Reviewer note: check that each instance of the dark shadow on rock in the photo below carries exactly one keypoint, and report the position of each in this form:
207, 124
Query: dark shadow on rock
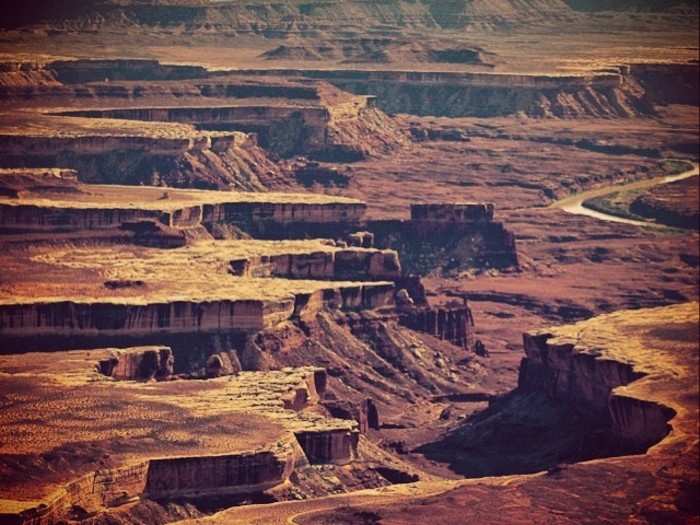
523, 432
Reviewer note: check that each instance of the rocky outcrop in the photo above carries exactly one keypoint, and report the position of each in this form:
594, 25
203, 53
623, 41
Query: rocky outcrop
637, 423
358, 129
246, 473
447, 237
365, 413
153, 233
19, 76
139, 364
381, 49
361, 239
221, 364
453, 212
340, 265
213, 160
350, 298
320, 447
453, 324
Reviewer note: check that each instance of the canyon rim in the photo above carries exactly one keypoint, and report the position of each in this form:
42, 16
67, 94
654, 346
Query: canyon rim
349, 262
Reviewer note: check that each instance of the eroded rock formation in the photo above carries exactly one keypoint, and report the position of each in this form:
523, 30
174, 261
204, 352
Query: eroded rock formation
592, 381
491, 95
139, 363
448, 237
225, 463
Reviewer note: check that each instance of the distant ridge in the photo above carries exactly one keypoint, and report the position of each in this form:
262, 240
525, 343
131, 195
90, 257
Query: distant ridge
261, 17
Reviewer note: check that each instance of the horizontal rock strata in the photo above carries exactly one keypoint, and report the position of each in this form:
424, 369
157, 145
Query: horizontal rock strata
572, 366
166, 473
488, 94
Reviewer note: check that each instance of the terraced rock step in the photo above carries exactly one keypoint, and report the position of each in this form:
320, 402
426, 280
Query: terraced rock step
642, 364
234, 435
123, 152
212, 132
118, 291
41, 207
487, 94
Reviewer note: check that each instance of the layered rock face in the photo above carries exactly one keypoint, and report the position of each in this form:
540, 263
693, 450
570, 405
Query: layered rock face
139, 364
592, 383
656, 79
449, 237
21, 217
83, 71
283, 130
339, 447
286, 118
455, 324
247, 473
225, 463
16, 183
261, 219
202, 160
45, 207
338, 265
438, 236
254, 218
112, 319
491, 95
571, 376
458, 212
55, 324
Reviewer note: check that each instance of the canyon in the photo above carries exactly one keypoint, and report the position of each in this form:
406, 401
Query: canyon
312, 262
659, 387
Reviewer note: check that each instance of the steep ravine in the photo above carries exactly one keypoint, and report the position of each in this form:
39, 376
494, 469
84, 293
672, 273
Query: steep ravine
578, 398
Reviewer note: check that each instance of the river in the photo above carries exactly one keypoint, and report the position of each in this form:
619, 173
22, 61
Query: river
575, 203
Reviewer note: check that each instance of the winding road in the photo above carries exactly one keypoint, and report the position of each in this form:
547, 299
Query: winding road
288, 512
575, 203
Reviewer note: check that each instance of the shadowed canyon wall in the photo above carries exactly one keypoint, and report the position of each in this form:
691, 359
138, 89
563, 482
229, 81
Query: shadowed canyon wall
587, 383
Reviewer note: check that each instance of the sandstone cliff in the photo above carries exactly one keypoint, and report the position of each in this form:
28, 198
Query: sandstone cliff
490, 95
234, 162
